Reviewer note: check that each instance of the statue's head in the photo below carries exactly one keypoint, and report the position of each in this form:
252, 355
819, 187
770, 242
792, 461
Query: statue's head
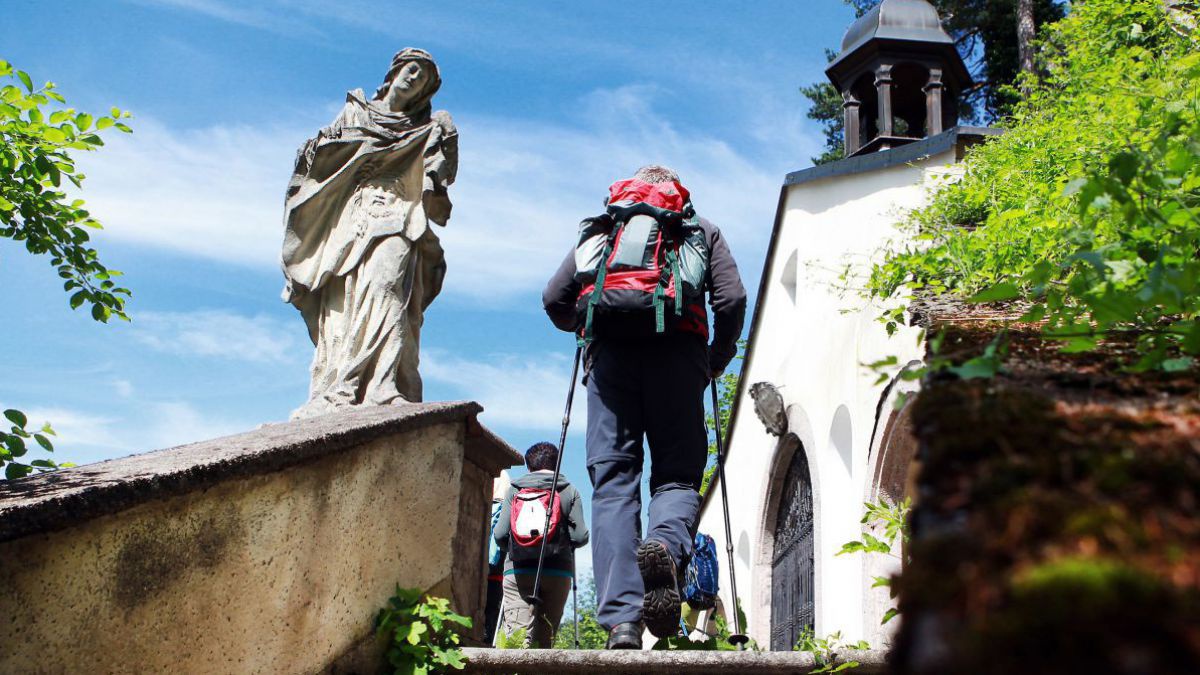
411, 83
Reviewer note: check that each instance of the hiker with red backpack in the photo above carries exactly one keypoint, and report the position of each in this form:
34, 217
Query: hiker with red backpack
529, 504
634, 291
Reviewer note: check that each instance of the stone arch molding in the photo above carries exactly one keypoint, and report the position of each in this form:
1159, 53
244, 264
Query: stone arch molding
799, 438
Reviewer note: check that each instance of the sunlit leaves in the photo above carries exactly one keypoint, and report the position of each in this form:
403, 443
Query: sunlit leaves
38, 133
14, 444
421, 633
1088, 209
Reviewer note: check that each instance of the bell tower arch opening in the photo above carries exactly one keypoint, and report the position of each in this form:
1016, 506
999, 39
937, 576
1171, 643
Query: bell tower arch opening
900, 76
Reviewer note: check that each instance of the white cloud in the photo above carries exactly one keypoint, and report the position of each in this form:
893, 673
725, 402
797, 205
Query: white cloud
85, 437
279, 19
219, 334
124, 388
523, 392
73, 427
215, 193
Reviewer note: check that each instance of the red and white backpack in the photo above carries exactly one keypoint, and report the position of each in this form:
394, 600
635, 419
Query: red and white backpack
527, 519
643, 263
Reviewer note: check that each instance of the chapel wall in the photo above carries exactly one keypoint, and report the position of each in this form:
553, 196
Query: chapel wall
811, 341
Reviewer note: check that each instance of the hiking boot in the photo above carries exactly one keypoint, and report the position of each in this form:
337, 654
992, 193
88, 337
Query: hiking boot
660, 608
625, 636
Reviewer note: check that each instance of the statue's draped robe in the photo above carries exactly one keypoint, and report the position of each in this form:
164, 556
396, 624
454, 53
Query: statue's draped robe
361, 261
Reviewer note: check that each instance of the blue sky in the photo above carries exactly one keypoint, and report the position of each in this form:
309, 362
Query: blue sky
553, 102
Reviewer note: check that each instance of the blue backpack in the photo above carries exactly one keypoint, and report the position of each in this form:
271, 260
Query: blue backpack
701, 578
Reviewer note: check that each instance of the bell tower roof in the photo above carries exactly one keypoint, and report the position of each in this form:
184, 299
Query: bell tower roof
897, 20
901, 27
900, 76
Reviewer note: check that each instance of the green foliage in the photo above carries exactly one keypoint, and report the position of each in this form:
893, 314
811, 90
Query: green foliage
893, 518
727, 388
422, 633
825, 651
14, 444
1088, 209
37, 133
518, 640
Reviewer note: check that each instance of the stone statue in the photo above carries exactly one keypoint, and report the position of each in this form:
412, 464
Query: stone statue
360, 258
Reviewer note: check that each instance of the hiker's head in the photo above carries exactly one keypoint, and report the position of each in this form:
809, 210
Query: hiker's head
656, 173
541, 456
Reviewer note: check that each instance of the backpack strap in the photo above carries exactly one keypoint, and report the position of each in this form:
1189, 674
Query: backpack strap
597, 289
671, 262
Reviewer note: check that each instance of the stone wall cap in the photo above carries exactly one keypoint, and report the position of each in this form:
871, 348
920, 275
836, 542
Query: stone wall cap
59, 499
676, 662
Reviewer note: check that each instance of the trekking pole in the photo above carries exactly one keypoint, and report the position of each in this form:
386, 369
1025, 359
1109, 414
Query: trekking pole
536, 599
737, 639
574, 599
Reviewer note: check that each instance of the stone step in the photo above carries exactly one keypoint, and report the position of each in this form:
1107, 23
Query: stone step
596, 662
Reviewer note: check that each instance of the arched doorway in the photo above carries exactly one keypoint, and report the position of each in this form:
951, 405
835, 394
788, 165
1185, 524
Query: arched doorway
792, 580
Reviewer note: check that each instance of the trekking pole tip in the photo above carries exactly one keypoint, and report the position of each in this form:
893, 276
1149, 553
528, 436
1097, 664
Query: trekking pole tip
738, 640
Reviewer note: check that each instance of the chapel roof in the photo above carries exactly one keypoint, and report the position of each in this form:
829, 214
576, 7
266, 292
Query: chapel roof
915, 20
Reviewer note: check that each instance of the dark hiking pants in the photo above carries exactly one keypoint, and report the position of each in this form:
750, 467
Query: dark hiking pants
652, 388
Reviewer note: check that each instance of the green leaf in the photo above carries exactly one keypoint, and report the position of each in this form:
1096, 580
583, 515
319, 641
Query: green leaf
889, 615
976, 369
14, 470
1080, 344
16, 445
415, 631
16, 417
1124, 167
44, 442
851, 547
25, 79
1178, 365
998, 292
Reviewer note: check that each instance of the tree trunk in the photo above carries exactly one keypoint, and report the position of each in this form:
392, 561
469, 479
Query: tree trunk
1025, 33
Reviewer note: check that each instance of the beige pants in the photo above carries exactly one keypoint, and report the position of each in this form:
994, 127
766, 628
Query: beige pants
539, 624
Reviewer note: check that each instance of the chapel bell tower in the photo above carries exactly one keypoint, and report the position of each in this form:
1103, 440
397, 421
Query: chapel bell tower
900, 77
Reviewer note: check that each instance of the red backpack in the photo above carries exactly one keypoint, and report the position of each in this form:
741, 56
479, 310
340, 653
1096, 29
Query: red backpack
644, 260
526, 520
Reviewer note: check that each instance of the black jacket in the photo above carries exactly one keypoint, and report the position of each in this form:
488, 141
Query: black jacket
726, 297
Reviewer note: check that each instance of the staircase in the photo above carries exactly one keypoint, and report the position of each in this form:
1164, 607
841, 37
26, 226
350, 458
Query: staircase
596, 662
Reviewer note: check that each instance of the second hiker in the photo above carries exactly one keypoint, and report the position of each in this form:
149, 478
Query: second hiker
518, 531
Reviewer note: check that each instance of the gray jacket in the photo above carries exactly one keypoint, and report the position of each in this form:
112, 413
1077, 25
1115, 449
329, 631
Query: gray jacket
572, 508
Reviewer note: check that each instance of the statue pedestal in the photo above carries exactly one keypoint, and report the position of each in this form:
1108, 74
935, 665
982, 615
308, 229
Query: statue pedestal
269, 551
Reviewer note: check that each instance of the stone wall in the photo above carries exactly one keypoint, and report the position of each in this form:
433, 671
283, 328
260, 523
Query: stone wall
269, 551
